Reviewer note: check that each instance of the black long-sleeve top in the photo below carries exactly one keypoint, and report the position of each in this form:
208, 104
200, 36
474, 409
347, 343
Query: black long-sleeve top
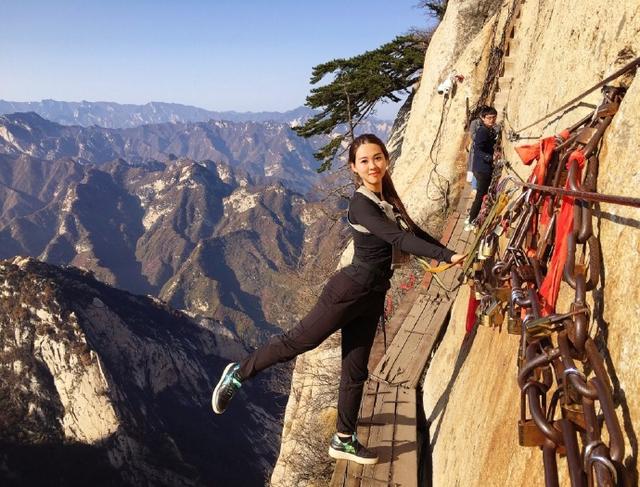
483, 145
375, 247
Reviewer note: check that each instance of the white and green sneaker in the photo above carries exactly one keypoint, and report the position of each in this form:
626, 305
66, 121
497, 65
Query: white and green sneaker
227, 386
351, 449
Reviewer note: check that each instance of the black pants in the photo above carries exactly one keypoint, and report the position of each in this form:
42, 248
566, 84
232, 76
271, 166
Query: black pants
483, 180
344, 304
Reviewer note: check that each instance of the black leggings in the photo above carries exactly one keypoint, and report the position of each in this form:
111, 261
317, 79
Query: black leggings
484, 180
344, 304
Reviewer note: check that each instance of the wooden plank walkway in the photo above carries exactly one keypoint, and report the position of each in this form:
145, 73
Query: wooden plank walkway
387, 420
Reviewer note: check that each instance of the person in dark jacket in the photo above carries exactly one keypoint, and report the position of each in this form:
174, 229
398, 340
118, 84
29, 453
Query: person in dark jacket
482, 161
353, 298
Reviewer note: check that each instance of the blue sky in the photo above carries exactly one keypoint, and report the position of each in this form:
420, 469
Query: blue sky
217, 54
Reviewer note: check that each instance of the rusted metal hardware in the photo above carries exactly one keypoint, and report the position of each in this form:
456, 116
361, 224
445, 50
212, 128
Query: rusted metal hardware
566, 399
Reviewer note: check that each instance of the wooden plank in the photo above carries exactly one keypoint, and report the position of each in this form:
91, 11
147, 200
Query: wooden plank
425, 347
339, 474
381, 439
413, 335
413, 357
407, 357
404, 469
401, 338
397, 356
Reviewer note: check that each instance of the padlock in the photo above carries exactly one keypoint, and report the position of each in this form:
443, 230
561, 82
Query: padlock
485, 320
492, 315
489, 248
514, 325
529, 434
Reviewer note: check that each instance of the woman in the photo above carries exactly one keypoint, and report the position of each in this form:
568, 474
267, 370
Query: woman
353, 298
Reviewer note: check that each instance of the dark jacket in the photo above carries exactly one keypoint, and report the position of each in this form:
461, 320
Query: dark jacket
372, 251
483, 144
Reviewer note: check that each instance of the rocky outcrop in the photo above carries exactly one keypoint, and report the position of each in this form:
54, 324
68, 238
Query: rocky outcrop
102, 387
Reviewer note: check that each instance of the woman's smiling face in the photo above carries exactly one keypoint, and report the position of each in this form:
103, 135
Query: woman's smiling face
371, 165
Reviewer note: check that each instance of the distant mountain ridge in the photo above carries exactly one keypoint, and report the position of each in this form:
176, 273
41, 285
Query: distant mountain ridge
116, 115
268, 151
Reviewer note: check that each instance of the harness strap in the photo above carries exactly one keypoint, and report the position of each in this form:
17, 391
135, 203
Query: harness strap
385, 207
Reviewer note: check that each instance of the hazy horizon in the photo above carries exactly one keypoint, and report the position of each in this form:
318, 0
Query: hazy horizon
218, 56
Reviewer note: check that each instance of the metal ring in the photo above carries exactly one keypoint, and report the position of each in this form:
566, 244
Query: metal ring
587, 452
607, 463
574, 371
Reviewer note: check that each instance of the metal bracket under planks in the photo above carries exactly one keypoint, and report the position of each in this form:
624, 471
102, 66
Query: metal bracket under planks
388, 413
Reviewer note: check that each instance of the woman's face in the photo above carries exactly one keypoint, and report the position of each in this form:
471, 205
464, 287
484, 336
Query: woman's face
370, 164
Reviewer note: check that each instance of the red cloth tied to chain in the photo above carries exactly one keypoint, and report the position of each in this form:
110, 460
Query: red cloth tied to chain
564, 224
542, 152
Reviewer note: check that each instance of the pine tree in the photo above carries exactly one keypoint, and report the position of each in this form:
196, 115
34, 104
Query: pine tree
435, 8
358, 84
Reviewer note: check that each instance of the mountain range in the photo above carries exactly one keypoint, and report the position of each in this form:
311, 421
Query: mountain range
215, 218
223, 238
269, 151
117, 115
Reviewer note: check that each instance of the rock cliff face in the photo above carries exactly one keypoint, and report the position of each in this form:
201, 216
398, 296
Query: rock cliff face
102, 387
557, 50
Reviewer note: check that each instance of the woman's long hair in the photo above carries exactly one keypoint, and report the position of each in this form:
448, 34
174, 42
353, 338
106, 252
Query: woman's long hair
389, 192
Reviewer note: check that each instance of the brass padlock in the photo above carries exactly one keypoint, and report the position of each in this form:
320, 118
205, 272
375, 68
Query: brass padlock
492, 315
481, 250
529, 434
514, 325
490, 247
485, 319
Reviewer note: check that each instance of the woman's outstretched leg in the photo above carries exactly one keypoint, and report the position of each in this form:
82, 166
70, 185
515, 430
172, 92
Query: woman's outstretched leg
341, 300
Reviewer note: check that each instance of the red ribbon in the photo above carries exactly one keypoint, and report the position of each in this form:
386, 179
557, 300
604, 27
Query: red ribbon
564, 224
